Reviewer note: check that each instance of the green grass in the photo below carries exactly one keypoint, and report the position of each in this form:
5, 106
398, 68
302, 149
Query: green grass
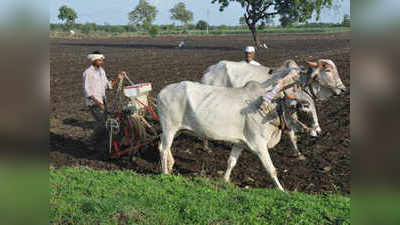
85, 196
24, 191
101, 34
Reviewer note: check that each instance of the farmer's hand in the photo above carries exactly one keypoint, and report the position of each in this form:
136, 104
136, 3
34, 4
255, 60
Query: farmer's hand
121, 75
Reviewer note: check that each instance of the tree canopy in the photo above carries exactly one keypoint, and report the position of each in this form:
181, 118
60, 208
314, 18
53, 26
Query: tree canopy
180, 13
346, 20
290, 11
68, 16
242, 21
143, 15
201, 25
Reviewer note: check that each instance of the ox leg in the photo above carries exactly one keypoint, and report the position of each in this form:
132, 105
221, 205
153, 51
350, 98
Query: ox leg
171, 161
316, 128
269, 166
233, 157
167, 161
206, 146
310, 108
293, 142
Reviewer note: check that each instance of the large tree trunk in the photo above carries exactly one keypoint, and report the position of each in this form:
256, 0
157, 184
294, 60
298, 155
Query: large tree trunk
254, 33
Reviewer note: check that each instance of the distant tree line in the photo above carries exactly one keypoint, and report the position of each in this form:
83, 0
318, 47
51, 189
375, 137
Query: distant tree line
201, 25
293, 13
92, 27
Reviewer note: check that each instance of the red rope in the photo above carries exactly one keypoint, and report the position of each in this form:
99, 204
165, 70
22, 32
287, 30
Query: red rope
149, 108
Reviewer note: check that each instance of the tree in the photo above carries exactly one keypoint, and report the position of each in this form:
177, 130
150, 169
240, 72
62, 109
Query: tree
261, 26
180, 13
223, 27
154, 30
346, 21
143, 15
286, 21
242, 21
68, 16
201, 25
88, 27
290, 11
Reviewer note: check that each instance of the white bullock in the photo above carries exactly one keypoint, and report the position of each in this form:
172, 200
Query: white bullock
221, 113
217, 113
236, 74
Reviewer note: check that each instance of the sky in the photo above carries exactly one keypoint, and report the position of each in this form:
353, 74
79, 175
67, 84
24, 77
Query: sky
115, 12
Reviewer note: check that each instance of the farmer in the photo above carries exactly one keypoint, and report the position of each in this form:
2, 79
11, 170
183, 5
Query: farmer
250, 53
95, 83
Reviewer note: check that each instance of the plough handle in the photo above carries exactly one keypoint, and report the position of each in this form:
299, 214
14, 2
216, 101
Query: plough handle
126, 76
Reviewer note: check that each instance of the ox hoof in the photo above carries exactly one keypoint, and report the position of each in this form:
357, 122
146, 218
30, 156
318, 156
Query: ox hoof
313, 133
206, 148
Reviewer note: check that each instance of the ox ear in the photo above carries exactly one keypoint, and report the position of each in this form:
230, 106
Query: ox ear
312, 64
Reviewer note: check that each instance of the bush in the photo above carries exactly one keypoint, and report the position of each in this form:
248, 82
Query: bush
191, 27
223, 27
130, 28
88, 27
346, 21
107, 28
117, 29
201, 25
154, 30
316, 25
163, 27
171, 27
54, 27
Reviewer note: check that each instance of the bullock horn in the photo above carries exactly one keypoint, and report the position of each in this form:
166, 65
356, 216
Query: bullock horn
312, 64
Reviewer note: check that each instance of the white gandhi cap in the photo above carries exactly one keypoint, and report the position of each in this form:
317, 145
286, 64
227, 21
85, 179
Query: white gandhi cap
250, 49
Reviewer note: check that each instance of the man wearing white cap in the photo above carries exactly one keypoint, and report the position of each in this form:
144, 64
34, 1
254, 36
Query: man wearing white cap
250, 53
95, 84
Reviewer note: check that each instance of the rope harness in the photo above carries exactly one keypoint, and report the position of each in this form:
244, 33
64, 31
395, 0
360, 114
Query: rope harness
281, 107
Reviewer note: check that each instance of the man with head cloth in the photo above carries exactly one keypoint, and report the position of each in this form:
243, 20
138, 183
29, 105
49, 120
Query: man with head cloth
95, 84
250, 53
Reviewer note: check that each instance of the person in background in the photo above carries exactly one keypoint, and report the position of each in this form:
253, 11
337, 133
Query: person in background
250, 54
95, 83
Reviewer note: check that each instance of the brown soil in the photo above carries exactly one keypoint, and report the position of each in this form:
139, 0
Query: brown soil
327, 168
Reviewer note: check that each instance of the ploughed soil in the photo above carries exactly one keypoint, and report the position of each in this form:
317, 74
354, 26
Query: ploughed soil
157, 60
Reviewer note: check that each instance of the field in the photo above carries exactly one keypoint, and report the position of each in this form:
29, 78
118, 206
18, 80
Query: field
157, 60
